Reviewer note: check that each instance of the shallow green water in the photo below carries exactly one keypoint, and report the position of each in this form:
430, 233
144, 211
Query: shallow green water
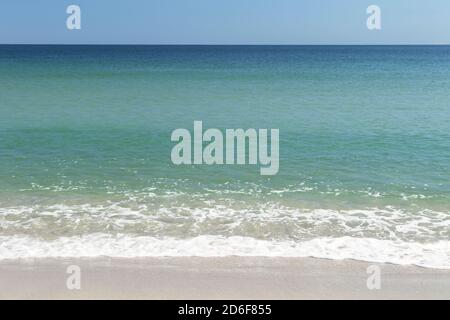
364, 142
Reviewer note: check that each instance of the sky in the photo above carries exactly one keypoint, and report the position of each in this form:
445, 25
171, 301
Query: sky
225, 22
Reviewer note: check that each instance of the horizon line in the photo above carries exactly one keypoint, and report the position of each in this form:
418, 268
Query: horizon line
224, 44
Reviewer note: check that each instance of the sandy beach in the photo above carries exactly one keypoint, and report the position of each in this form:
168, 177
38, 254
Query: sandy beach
233, 162
217, 278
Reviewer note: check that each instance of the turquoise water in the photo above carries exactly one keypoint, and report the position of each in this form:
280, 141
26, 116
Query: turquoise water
85, 146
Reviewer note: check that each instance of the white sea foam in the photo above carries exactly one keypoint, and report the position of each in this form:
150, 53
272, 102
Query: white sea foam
219, 227
267, 221
430, 255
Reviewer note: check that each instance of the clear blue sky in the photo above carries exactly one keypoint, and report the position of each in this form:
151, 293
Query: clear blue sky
225, 22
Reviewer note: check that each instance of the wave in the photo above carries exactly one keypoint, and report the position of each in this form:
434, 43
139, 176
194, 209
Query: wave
430, 255
265, 221
225, 227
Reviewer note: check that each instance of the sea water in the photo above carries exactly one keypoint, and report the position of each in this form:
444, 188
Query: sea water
364, 142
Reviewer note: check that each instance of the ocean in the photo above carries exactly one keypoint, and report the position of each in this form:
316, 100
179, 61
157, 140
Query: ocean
364, 141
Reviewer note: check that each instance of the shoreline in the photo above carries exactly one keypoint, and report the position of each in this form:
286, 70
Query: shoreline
217, 278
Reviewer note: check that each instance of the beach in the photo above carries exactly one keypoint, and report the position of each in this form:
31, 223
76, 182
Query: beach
217, 278
361, 171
